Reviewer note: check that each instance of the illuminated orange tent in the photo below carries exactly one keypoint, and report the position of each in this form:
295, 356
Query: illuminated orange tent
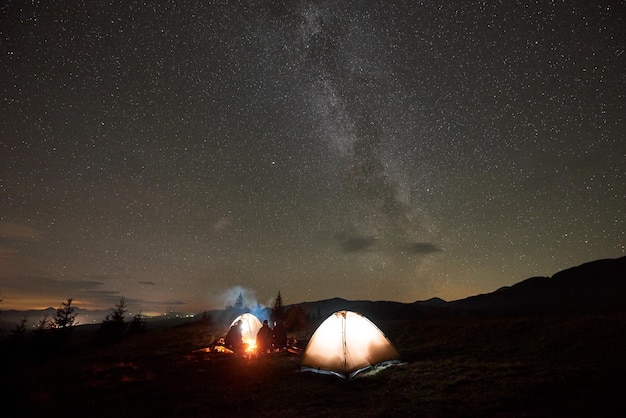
250, 326
345, 344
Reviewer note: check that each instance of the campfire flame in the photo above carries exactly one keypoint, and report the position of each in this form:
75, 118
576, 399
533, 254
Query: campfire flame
251, 346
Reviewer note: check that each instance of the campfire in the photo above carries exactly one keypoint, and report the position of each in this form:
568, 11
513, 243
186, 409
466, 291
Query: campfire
250, 347
247, 327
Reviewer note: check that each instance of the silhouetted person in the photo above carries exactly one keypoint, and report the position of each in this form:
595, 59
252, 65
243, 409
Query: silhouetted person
264, 338
234, 338
280, 335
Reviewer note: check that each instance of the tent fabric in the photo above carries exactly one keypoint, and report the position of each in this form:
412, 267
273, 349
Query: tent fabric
250, 326
345, 344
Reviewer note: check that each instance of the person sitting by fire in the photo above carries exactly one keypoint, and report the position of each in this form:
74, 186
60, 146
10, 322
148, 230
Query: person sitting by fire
280, 336
264, 338
234, 338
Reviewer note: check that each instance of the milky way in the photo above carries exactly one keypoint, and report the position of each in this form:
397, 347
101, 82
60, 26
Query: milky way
171, 153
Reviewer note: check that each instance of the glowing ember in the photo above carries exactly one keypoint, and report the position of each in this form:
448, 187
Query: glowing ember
222, 349
251, 346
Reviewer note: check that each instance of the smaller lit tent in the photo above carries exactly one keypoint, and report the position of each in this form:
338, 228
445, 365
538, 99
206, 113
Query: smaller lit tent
250, 326
345, 344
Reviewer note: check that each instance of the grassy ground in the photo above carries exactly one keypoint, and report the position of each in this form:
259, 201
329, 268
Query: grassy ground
516, 367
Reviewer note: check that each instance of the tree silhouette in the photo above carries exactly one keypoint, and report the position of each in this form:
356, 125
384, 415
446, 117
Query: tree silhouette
65, 316
138, 324
278, 313
43, 325
239, 303
42, 331
114, 323
119, 311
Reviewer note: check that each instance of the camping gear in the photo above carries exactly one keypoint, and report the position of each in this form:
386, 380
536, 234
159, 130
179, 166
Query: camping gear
345, 344
250, 326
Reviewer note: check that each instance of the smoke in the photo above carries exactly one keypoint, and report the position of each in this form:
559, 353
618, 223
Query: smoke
250, 302
230, 296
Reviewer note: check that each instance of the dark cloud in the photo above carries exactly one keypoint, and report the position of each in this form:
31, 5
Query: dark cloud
109, 297
161, 303
421, 248
47, 284
147, 282
80, 284
354, 243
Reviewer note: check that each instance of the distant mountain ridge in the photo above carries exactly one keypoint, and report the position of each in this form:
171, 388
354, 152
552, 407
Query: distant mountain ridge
598, 286
10, 318
594, 287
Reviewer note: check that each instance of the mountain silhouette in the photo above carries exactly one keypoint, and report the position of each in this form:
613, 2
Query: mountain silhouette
594, 287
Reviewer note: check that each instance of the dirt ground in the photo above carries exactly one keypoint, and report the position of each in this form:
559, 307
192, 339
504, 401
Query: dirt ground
452, 367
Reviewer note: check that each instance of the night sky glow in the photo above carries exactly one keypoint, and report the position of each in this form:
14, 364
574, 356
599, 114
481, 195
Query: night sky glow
178, 152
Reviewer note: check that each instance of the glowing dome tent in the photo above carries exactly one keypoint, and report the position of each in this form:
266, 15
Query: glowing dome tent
345, 344
250, 326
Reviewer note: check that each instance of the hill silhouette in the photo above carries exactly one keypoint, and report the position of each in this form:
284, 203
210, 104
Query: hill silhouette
594, 287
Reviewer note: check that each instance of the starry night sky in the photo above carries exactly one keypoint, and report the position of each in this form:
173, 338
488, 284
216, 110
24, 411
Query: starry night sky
178, 153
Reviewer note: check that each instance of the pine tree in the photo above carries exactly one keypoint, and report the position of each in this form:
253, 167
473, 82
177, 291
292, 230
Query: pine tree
239, 303
114, 325
66, 316
118, 314
42, 330
138, 324
278, 313
43, 325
